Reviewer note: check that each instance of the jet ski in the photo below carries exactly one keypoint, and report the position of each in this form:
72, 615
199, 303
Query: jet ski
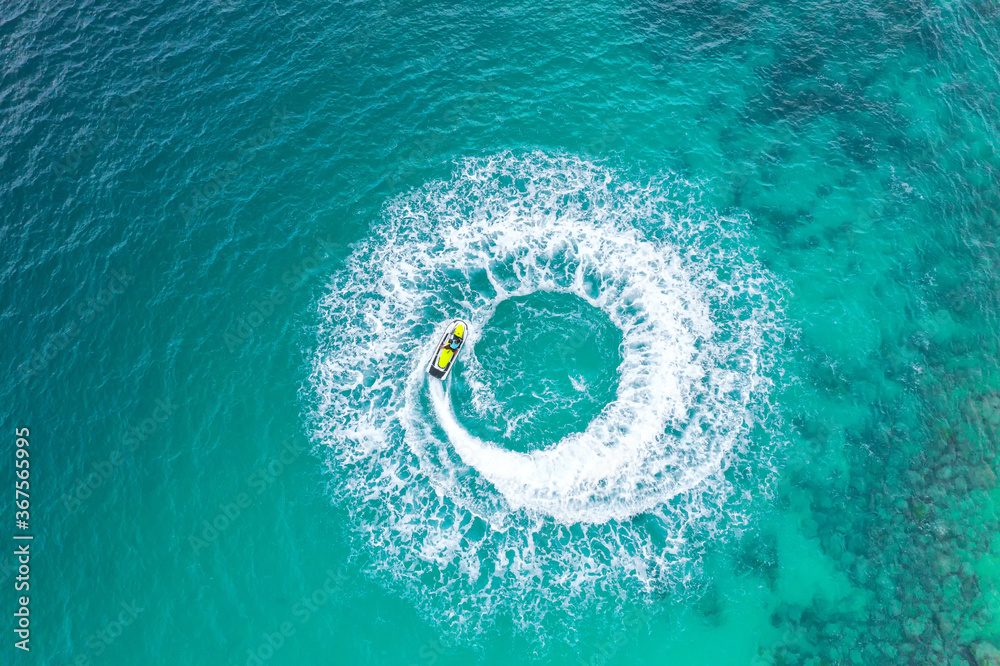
446, 352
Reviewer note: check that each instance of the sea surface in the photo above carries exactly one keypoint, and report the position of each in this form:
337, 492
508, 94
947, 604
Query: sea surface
731, 394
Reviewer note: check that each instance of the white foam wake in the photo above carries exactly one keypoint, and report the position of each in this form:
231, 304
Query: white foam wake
622, 503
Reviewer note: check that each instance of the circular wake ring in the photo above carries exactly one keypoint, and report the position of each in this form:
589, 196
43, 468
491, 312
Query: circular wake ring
699, 326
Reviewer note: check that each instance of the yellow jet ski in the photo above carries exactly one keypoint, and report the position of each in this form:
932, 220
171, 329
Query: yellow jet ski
447, 351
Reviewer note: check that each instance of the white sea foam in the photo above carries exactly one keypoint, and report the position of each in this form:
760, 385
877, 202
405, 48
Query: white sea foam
627, 502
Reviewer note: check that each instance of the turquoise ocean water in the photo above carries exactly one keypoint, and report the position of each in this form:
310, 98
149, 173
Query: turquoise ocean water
731, 396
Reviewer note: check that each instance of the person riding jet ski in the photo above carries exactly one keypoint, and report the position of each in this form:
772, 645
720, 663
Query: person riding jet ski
447, 350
